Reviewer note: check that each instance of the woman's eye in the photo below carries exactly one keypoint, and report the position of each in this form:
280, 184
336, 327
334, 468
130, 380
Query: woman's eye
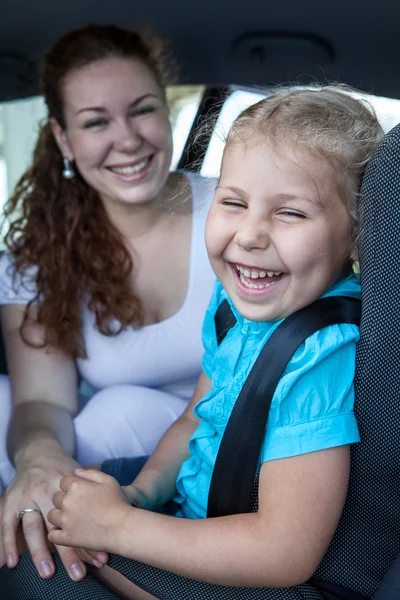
94, 123
144, 110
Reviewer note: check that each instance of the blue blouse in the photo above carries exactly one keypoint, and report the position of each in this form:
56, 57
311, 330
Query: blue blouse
312, 408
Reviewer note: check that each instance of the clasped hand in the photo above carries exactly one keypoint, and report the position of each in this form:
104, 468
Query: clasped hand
89, 511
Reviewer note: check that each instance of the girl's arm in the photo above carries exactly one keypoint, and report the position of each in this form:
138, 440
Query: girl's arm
300, 503
156, 483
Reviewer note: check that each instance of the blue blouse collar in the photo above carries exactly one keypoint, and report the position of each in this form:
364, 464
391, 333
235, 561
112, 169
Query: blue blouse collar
348, 286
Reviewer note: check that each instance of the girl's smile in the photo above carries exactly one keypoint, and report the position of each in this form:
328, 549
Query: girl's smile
255, 282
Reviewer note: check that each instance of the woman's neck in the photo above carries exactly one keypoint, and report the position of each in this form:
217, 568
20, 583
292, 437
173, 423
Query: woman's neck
137, 220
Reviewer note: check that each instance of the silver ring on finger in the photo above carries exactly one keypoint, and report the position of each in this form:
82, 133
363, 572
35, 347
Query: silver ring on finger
28, 510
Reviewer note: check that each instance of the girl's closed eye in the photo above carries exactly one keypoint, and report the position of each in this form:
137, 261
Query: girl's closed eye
291, 215
233, 203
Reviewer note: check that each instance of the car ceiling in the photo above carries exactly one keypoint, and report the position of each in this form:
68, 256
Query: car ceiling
246, 42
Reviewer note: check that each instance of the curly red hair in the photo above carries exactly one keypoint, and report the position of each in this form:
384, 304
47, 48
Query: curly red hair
60, 226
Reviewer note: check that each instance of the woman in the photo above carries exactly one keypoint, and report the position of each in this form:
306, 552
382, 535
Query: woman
106, 274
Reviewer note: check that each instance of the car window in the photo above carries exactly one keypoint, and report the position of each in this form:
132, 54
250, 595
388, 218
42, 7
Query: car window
387, 109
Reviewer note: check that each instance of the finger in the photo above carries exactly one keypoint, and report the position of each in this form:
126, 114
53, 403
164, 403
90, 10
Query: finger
84, 554
58, 498
70, 558
35, 537
93, 558
10, 523
66, 481
58, 538
92, 475
54, 517
100, 557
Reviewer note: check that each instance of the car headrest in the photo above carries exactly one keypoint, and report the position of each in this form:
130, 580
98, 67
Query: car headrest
370, 518
379, 248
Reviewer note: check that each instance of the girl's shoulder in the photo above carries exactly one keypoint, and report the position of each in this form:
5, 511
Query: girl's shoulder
349, 286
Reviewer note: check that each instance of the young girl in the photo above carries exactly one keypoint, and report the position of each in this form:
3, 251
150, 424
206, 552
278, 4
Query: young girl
280, 234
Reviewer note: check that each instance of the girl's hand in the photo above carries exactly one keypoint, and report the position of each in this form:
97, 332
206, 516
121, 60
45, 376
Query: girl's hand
89, 511
33, 487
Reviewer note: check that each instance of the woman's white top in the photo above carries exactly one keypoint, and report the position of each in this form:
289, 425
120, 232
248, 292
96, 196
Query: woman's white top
165, 355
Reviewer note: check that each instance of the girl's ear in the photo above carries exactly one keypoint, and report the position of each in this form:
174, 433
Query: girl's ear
354, 253
354, 256
61, 139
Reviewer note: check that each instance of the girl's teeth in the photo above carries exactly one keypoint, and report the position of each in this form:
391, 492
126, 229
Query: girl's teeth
256, 274
253, 285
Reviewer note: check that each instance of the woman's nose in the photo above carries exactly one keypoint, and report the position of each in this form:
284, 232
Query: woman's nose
127, 138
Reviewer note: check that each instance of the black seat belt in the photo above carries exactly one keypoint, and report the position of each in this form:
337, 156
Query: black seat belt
224, 321
236, 465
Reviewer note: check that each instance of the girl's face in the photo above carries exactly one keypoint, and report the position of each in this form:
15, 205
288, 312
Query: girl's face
278, 234
117, 129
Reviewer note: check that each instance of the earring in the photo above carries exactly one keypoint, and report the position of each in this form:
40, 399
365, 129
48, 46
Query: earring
68, 172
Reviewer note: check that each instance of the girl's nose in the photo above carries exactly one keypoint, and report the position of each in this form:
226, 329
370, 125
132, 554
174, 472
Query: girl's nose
253, 234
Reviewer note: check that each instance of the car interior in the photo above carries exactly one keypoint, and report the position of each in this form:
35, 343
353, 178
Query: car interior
228, 55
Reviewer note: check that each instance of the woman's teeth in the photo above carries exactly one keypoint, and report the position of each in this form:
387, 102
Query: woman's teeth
130, 169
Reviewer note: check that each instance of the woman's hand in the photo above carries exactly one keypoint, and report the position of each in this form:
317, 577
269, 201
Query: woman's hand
33, 487
89, 511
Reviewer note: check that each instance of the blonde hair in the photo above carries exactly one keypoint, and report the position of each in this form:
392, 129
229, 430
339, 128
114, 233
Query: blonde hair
327, 121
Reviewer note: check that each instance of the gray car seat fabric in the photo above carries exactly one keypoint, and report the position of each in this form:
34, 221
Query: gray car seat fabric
168, 586
389, 588
23, 583
368, 537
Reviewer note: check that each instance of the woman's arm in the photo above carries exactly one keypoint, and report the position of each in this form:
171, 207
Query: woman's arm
43, 386
300, 503
40, 438
156, 483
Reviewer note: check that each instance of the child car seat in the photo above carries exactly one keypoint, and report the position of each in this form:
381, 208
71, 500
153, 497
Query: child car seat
367, 540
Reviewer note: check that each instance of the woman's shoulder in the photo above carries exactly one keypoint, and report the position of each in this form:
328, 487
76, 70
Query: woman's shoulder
15, 288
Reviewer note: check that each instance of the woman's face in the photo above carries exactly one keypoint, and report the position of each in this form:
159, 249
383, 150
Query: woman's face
117, 130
